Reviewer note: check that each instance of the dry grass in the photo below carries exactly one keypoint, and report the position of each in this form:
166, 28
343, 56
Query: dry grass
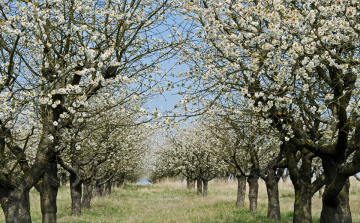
169, 201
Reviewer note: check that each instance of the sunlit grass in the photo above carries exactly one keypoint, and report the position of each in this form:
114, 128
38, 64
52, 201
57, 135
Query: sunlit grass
170, 201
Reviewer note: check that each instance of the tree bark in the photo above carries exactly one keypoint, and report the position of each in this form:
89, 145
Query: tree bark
272, 188
336, 194
205, 187
241, 190
301, 180
253, 190
302, 205
48, 192
199, 185
87, 194
15, 204
75, 192
338, 209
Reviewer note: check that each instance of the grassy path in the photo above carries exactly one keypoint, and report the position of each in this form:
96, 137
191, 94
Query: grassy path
171, 202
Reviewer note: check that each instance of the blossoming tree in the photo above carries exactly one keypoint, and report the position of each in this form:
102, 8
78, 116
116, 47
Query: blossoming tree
296, 63
56, 56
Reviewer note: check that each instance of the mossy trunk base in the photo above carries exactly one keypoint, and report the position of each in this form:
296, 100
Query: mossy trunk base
337, 210
302, 206
16, 205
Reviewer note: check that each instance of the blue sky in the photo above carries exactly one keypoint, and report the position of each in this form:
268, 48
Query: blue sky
171, 98
168, 99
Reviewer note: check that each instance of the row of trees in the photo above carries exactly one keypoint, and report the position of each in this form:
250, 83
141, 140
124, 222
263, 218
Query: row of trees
201, 152
280, 80
218, 147
75, 77
295, 66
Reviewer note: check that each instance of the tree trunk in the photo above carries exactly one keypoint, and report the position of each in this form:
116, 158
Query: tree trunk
205, 187
16, 205
336, 194
338, 209
14, 189
301, 179
48, 192
302, 206
253, 190
99, 188
190, 184
272, 188
75, 192
199, 185
317, 175
87, 194
107, 188
112, 186
241, 190
121, 181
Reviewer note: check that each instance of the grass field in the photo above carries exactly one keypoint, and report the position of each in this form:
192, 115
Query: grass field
170, 201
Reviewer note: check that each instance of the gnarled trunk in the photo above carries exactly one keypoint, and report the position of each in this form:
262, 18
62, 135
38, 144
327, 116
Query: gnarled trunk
272, 189
199, 185
338, 209
205, 187
15, 204
87, 194
301, 179
336, 194
241, 190
48, 192
75, 192
253, 189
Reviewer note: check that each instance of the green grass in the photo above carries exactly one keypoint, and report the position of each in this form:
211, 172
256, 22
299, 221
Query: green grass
172, 202
290, 195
